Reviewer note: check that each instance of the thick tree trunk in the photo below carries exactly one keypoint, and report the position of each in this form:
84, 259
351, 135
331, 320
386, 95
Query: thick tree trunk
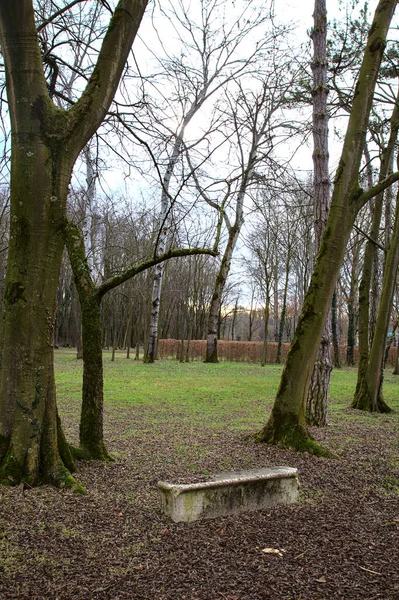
287, 423
28, 423
39, 181
45, 144
317, 399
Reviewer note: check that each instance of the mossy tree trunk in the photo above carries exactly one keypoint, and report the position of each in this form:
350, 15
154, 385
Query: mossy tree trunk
317, 399
92, 446
45, 144
370, 253
369, 390
287, 423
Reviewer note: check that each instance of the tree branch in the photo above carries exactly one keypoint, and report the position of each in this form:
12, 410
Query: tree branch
58, 14
88, 113
113, 282
370, 239
378, 188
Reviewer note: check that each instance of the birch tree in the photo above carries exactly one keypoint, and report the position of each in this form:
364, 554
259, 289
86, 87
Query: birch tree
217, 49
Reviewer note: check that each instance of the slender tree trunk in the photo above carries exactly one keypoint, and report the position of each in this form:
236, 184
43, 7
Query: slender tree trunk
266, 332
334, 329
150, 355
317, 399
368, 394
275, 305
283, 312
350, 343
396, 368
216, 301
368, 300
287, 423
91, 435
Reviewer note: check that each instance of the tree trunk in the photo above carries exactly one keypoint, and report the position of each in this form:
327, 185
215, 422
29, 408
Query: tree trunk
317, 399
368, 394
351, 337
45, 144
283, 312
366, 312
40, 174
266, 333
213, 319
287, 423
396, 368
91, 435
334, 329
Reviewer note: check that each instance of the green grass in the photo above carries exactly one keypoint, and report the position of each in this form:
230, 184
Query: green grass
236, 395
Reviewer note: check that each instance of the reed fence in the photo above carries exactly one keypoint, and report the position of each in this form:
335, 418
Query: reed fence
239, 351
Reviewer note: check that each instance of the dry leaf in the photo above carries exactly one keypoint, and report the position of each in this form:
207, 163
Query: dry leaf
272, 551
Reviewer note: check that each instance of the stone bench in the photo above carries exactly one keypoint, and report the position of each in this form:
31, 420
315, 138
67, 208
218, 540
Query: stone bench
229, 493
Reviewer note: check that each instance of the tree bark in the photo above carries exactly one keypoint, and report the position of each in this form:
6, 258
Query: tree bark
266, 332
287, 423
45, 144
317, 399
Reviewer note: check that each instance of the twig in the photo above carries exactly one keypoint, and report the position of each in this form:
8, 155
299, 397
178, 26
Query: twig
300, 555
370, 571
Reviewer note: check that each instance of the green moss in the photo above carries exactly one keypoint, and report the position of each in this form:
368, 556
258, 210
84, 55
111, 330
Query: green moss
64, 479
284, 430
4, 443
11, 472
14, 292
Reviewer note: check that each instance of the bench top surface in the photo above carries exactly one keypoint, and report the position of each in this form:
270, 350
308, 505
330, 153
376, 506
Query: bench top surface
231, 478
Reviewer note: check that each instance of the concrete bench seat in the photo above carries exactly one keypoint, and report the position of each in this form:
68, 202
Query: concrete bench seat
229, 493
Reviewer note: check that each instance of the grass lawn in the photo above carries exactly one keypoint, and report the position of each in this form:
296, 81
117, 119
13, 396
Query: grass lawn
235, 395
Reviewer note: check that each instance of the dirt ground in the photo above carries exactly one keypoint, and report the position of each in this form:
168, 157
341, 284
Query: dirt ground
339, 542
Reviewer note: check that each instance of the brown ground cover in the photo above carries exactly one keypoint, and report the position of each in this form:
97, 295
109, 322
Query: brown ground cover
339, 542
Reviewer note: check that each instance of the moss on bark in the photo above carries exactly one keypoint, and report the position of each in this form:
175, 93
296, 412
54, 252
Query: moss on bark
286, 432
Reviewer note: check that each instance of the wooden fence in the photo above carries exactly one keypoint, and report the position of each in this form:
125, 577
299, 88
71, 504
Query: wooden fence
239, 351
